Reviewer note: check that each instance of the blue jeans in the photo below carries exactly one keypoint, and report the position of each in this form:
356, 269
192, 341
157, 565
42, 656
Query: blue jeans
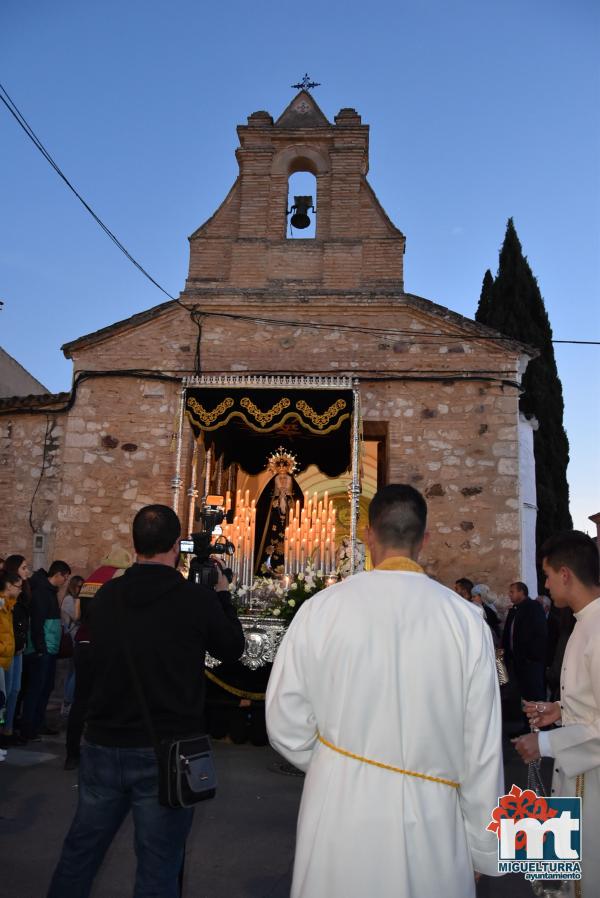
113, 781
69, 693
40, 682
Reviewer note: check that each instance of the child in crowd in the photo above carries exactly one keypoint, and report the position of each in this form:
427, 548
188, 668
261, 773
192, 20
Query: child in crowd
17, 564
10, 588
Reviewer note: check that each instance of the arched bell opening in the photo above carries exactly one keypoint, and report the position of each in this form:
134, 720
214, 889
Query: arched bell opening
301, 221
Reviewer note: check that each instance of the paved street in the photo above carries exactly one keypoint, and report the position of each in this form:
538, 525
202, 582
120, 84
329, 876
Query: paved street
241, 845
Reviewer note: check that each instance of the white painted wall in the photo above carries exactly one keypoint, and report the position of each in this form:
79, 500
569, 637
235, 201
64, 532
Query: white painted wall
15, 380
528, 501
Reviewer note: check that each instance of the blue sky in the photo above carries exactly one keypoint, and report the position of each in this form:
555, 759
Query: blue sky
478, 111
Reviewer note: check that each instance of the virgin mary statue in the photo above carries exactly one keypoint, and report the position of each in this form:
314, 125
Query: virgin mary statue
273, 511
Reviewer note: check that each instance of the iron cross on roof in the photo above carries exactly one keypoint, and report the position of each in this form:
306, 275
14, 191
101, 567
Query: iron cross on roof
306, 83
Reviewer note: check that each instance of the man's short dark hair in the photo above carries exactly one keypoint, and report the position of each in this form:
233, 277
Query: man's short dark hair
58, 567
522, 587
575, 550
156, 529
465, 583
398, 515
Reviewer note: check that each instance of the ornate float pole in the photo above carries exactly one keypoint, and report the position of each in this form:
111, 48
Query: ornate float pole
355, 484
176, 479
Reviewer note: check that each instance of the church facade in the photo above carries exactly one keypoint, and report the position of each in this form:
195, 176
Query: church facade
439, 392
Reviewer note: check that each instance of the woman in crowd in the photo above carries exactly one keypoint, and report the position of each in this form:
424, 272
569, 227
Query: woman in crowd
481, 595
82, 658
70, 621
17, 564
10, 588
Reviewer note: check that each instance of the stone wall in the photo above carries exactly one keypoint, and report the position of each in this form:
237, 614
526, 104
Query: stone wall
31, 464
456, 440
118, 456
445, 395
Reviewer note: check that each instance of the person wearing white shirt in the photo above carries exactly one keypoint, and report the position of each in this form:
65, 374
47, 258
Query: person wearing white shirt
385, 692
572, 568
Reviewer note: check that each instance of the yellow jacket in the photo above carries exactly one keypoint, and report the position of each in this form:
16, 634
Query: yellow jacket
7, 636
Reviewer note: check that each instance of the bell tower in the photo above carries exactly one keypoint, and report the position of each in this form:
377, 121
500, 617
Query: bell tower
246, 245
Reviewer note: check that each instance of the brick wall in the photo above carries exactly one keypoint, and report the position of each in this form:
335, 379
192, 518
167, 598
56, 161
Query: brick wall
244, 243
448, 406
31, 465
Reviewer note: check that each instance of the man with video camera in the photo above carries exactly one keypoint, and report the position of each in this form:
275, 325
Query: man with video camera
164, 624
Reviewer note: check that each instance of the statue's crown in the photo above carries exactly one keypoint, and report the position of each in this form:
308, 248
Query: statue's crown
282, 458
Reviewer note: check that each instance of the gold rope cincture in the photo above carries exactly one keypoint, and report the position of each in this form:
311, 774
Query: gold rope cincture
421, 776
395, 563
240, 693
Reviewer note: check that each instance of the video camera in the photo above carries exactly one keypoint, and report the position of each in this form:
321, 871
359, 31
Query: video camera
204, 571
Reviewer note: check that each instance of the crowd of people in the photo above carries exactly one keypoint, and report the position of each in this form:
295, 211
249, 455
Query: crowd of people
384, 690
530, 636
31, 634
37, 627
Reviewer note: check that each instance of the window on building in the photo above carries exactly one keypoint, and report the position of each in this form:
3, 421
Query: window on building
302, 184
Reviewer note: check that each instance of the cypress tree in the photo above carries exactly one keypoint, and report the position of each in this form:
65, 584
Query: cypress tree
486, 300
513, 305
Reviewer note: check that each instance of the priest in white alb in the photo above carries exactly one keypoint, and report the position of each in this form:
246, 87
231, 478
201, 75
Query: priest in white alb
572, 568
385, 692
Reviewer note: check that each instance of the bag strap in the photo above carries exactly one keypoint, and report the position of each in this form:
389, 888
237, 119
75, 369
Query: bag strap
124, 632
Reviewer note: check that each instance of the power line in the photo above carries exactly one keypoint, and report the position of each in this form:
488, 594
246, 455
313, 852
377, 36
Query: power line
12, 108
197, 314
374, 331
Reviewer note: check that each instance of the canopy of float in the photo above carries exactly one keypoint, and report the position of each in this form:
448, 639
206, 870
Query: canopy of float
243, 420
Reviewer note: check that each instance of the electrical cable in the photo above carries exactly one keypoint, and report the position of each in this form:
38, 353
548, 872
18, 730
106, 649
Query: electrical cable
43, 468
379, 332
17, 115
144, 374
194, 312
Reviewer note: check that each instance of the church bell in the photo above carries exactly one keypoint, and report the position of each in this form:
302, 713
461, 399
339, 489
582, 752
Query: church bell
300, 219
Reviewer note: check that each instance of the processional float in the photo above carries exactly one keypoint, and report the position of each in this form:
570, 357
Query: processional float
275, 425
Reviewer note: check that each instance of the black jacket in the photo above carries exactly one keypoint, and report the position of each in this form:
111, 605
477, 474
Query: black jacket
44, 607
529, 633
169, 624
493, 622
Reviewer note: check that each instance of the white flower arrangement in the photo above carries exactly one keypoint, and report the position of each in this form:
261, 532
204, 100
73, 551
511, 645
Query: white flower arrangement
270, 596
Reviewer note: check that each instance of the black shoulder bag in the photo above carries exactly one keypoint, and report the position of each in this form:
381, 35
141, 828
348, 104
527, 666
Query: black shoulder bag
186, 771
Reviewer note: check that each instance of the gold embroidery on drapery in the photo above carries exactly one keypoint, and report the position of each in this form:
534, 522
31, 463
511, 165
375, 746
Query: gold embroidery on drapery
209, 417
264, 417
293, 415
323, 420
